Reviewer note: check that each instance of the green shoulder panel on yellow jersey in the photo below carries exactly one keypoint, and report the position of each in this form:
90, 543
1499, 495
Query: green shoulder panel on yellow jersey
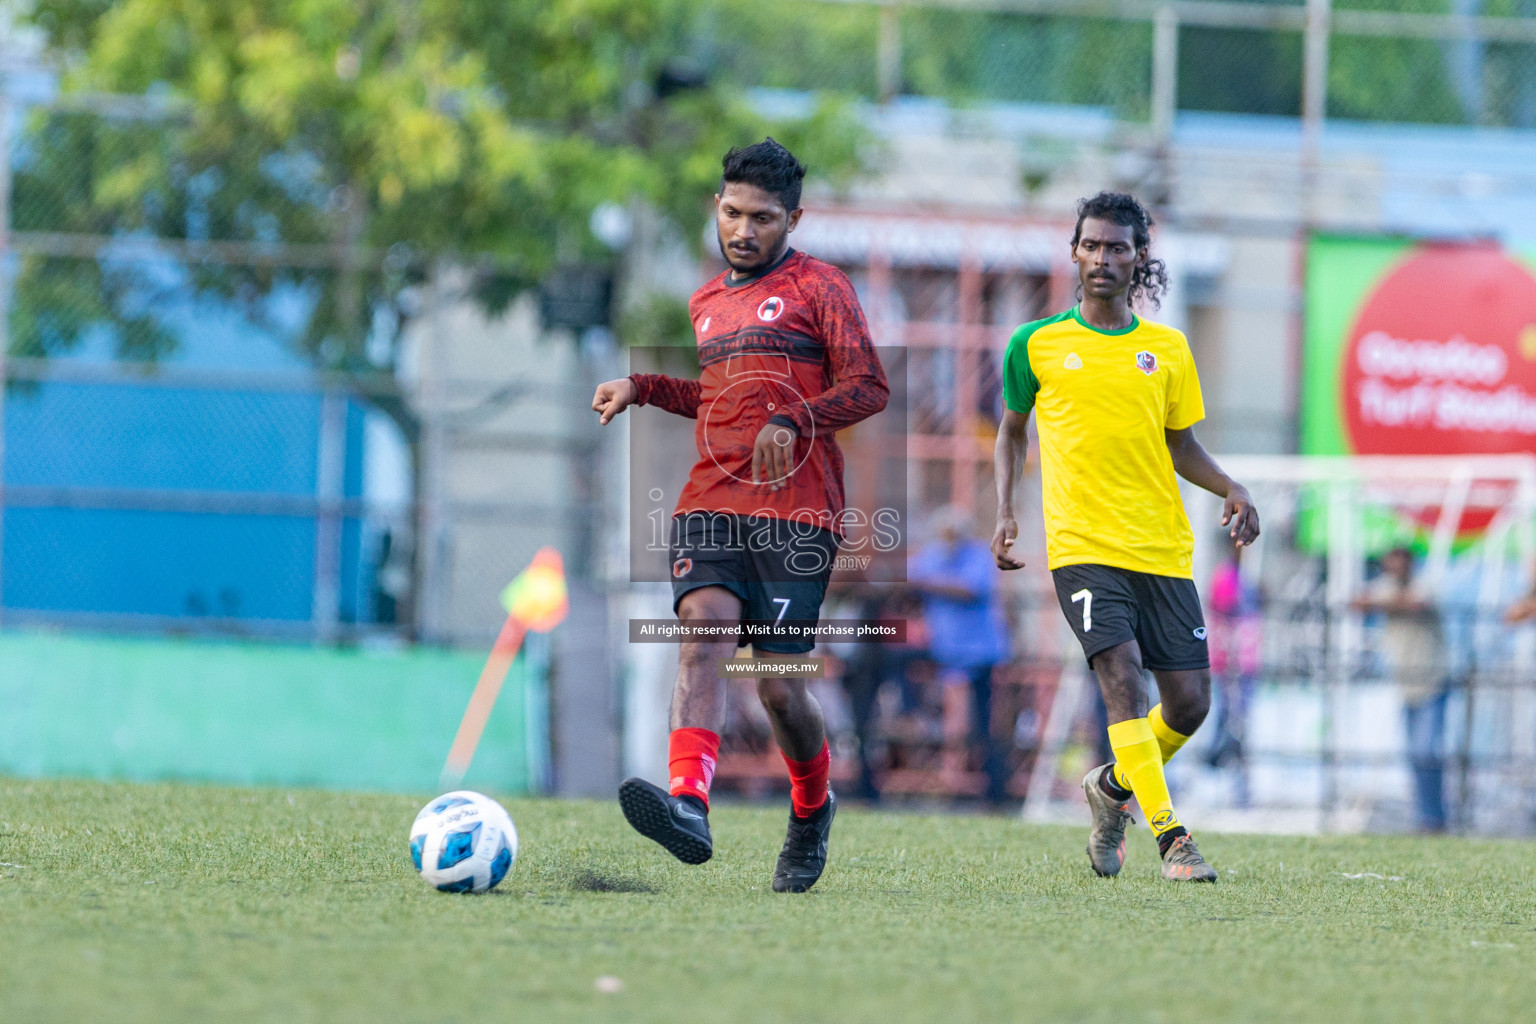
1020, 385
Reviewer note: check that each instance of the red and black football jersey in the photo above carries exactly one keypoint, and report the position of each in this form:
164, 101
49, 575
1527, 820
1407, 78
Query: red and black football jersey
790, 346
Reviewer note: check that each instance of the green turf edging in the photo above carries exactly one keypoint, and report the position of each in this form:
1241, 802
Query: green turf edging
246, 713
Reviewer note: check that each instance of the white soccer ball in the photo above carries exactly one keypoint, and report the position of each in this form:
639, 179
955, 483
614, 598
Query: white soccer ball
463, 842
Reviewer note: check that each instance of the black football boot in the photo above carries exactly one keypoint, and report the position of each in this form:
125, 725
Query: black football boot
679, 823
804, 856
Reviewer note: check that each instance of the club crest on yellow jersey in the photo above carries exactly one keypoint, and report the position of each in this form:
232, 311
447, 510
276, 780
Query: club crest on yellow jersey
1146, 362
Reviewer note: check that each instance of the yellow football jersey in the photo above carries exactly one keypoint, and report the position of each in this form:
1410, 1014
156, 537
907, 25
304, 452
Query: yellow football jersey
1102, 400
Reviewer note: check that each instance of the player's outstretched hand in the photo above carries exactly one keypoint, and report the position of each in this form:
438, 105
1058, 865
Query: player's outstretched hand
613, 397
773, 455
1002, 543
1239, 513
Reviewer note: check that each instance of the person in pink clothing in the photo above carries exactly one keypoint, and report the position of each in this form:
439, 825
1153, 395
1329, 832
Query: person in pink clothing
1234, 633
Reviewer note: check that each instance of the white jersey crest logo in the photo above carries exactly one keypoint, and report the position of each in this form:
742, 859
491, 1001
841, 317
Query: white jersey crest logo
770, 309
1072, 362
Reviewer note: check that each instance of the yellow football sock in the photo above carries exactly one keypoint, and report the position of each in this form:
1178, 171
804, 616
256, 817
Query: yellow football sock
1139, 767
1168, 740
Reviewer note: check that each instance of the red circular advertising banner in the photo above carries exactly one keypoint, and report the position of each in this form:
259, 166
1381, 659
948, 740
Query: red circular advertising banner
1442, 358
1442, 361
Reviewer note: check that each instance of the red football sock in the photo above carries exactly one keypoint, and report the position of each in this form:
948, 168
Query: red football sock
691, 755
808, 782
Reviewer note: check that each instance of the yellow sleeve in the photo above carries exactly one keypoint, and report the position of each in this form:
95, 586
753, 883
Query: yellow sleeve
1186, 406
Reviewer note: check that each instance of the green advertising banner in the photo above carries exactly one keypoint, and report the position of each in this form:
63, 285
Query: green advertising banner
1340, 272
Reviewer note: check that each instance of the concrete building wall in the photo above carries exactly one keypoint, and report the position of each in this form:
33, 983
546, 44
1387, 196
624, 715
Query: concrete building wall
1246, 348
509, 455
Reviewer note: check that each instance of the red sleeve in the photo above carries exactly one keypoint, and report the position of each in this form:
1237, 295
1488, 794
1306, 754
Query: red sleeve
674, 394
859, 388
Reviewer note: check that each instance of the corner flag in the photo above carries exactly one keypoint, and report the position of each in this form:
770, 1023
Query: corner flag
536, 601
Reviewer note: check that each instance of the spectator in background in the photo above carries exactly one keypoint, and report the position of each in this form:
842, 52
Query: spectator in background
1233, 637
1413, 645
967, 632
867, 667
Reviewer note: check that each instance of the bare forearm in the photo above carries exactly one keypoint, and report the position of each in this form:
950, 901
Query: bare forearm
1192, 462
1008, 461
1521, 610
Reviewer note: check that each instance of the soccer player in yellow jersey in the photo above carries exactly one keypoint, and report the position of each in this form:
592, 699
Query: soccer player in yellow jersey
1116, 399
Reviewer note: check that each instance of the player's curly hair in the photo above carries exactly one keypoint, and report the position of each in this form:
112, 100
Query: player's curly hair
1150, 279
769, 166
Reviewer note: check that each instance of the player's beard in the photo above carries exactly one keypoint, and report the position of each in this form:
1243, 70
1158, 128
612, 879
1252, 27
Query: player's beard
756, 268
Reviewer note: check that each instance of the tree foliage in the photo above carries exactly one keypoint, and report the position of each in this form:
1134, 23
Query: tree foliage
484, 133
427, 130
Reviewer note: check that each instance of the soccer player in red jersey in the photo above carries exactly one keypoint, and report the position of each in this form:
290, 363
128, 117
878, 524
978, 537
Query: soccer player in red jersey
785, 362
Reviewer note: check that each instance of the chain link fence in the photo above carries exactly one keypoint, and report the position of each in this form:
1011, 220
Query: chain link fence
251, 437
1466, 62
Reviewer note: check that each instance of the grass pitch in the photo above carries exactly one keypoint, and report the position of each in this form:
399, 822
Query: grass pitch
171, 903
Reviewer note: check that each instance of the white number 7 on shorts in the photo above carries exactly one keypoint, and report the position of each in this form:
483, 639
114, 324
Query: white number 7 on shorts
783, 603
1085, 596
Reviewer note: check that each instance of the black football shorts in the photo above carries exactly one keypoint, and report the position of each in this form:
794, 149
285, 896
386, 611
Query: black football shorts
1107, 606
778, 568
